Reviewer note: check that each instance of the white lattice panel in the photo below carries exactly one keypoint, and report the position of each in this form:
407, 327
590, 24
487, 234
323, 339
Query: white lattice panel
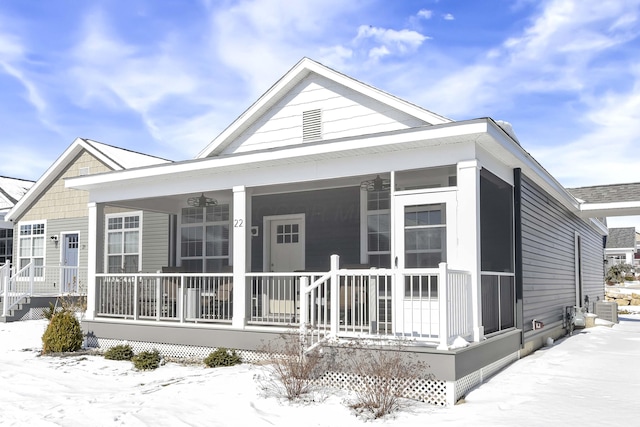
428, 391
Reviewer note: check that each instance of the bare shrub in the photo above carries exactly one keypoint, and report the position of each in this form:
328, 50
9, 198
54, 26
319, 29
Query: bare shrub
290, 370
384, 377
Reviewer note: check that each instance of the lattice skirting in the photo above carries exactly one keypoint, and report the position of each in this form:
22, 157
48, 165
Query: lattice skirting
428, 391
35, 313
173, 351
432, 391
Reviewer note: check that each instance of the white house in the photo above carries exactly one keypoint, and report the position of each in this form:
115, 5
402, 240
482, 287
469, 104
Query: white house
333, 206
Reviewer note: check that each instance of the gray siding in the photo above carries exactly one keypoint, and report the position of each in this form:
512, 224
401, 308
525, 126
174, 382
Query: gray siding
332, 221
548, 263
155, 241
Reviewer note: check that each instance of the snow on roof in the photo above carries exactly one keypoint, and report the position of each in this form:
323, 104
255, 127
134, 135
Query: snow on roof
125, 158
11, 190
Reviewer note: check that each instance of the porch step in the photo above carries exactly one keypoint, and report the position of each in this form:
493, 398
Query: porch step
18, 312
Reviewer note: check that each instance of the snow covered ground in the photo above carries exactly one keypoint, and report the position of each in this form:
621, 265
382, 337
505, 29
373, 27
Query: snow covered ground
589, 379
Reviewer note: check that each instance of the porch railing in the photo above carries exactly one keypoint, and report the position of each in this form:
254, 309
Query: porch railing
15, 290
169, 297
427, 305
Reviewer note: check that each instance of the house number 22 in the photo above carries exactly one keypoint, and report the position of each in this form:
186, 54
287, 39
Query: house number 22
238, 222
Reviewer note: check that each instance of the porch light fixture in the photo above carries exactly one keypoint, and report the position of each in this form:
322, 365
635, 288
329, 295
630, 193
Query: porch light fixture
376, 184
201, 201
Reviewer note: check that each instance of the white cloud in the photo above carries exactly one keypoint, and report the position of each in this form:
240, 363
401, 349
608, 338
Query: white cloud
425, 13
401, 41
553, 53
108, 68
261, 40
448, 17
607, 152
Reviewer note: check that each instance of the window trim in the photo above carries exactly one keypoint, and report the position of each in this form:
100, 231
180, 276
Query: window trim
19, 245
139, 214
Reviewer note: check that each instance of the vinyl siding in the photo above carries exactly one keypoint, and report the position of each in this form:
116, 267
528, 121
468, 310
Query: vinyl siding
155, 241
332, 224
59, 202
344, 112
548, 251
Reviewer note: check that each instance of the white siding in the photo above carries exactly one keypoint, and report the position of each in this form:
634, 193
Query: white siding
345, 113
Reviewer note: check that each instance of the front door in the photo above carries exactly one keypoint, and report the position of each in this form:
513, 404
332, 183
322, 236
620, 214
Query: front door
287, 247
424, 227
69, 274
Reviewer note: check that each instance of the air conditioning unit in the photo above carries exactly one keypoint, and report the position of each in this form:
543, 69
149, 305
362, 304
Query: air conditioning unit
607, 310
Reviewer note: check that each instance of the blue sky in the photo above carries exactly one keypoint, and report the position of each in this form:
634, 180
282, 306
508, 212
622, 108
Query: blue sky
165, 77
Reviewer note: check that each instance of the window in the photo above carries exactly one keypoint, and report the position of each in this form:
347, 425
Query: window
496, 223
204, 238
424, 236
123, 243
31, 246
6, 244
379, 228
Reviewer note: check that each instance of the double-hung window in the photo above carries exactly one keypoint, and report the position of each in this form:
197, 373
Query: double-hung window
204, 238
124, 243
31, 246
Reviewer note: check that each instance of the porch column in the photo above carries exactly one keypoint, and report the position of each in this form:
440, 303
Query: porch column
469, 235
240, 224
94, 254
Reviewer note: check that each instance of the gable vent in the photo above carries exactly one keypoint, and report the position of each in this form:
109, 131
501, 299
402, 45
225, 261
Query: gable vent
311, 125
83, 171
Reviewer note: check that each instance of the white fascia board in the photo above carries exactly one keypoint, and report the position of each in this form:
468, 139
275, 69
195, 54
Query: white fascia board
46, 179
300, 71
591, 210
54, 170
428, 135
532, 168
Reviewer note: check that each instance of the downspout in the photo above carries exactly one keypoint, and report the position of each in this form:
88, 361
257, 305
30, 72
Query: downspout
517, 219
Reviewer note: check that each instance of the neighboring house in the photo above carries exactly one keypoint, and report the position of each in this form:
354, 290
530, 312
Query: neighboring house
339, 209
621, 246
50, 222
11, 190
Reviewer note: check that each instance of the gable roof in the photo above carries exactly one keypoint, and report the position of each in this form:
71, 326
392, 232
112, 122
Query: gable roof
113, 157
11, 191
294, 76
624, 237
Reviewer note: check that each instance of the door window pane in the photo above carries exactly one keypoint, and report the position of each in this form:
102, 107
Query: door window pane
424, 236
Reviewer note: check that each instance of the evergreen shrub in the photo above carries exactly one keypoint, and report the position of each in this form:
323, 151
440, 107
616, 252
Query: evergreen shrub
147, 360
222, 357
119, 352
63, 333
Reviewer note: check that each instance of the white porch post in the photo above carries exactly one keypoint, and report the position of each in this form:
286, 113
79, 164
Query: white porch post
335, 295
240, 226
95, 233
469, 235
443, 307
